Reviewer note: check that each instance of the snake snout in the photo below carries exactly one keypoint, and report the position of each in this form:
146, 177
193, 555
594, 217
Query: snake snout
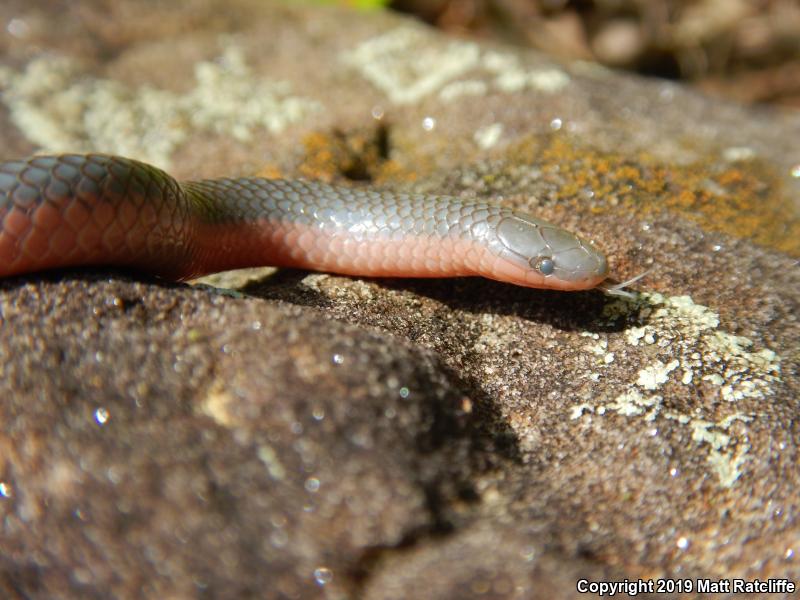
551, 253
581, 263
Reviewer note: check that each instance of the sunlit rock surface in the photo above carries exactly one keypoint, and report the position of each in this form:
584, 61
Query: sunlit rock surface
318, 436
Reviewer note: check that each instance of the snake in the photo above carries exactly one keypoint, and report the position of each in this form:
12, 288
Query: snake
80, 210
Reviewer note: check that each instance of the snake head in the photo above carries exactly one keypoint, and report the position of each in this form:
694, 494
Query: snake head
535, 253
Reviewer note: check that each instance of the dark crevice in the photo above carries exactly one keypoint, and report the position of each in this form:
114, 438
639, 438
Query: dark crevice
361, 155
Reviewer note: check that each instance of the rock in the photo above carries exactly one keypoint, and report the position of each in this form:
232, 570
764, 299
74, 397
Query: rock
311, 435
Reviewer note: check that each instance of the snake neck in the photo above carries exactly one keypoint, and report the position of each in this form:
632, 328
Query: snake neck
253, 221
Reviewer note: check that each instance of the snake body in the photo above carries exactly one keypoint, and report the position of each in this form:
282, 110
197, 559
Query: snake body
76, 210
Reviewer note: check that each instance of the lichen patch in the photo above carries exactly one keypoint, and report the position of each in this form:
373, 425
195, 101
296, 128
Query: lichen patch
60, 108
687, 337
680, 343
408, 64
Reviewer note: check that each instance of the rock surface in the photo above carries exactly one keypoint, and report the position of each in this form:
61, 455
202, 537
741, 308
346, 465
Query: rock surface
319, 436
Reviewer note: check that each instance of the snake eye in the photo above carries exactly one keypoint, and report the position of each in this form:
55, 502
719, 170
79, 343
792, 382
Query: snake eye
543, 264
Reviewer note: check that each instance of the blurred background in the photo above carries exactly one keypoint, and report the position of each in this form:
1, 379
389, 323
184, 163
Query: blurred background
745, 50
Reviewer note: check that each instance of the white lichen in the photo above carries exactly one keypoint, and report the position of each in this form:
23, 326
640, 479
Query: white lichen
724, 461
653, 376
681, 342
599, 348
60, 108
409, 63
577, 411
468, 87
633, 402
488, 136
689, 337
270, 459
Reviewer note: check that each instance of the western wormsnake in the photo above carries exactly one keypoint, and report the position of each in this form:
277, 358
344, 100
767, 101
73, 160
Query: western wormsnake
81, 210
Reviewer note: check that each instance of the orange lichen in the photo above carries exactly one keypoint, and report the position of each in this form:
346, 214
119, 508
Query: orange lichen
740, 199
318, 161
357, 156
270, 172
